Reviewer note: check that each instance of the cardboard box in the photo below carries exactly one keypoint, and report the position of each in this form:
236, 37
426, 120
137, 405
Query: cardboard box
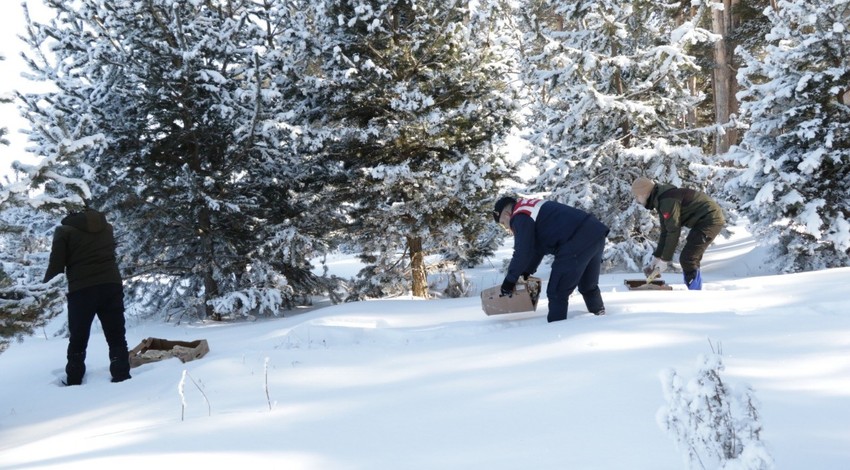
524, 299
157, 349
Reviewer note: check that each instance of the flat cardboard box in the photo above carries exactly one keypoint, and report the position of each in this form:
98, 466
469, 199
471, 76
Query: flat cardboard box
157, 349
524, 299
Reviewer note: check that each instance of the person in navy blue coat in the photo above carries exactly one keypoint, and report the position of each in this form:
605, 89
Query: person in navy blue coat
576, 238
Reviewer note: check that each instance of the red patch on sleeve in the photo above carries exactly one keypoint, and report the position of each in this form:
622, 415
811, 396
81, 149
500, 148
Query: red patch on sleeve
666, 215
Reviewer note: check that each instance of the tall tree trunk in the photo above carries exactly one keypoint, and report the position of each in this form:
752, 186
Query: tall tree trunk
724, 81
625, 127
417, 267
207, 250
690, 117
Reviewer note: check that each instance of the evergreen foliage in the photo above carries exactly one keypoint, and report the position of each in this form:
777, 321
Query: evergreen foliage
795, 154
754, 24
413, 102
178, 116
609, 83
26, 303
231, 143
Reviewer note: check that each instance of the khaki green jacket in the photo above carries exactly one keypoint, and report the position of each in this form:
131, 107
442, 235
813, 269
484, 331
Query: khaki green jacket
677, 208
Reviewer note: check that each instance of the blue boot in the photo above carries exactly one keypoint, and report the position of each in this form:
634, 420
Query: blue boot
693, 280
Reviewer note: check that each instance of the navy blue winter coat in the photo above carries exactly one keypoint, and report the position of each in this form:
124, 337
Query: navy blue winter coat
546, 227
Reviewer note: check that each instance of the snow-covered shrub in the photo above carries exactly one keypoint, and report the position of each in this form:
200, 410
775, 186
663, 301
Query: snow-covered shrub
713, 424
457, 285
26, 304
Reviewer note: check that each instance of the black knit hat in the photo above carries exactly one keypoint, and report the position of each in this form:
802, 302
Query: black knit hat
500, 204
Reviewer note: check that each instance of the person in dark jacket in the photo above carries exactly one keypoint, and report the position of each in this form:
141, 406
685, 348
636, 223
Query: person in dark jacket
677, 208
576, 239
84, 249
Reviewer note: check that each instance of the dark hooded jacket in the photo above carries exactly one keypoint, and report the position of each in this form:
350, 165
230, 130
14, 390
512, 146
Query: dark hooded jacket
677, 208
553, 228
84, 249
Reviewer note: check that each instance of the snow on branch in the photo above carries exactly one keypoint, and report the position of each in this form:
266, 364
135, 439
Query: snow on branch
715, 425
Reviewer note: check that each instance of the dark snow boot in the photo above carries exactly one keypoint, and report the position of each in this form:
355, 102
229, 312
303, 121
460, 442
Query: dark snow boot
75, 369
119, 367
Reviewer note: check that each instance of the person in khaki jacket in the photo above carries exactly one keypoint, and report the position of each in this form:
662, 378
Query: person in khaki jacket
84, 249
677, 208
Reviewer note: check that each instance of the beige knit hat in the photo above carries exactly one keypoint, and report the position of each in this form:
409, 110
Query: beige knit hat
641, 188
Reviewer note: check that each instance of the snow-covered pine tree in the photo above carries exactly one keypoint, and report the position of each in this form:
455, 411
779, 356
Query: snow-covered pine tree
170, 111
610, 101
795, 155
26, 303
413, 99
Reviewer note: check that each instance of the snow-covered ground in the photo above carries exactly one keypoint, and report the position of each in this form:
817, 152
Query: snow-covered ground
413, 384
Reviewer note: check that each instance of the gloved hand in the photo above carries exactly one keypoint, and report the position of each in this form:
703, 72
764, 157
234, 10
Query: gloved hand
525, 276
655, 269
508, 288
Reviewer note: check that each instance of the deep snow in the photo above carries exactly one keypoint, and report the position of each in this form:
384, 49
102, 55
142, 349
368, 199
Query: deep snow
436, 384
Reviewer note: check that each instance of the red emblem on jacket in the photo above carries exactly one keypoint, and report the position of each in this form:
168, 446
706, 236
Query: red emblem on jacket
528, 206
666, 215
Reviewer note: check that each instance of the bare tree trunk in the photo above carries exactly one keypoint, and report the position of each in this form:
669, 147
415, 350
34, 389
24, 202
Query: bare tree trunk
724, 81
690, 117
417, 267
210, 285
617, 79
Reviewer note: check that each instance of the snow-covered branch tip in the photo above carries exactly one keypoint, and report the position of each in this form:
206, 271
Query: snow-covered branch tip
714, 425
181, 387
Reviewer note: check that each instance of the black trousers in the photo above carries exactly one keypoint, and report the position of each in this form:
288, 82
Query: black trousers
575, 269
106, 301
699, 238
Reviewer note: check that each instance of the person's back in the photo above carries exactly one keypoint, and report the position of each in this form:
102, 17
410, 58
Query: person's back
694, 207
575, 238
559, 223
84, 249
